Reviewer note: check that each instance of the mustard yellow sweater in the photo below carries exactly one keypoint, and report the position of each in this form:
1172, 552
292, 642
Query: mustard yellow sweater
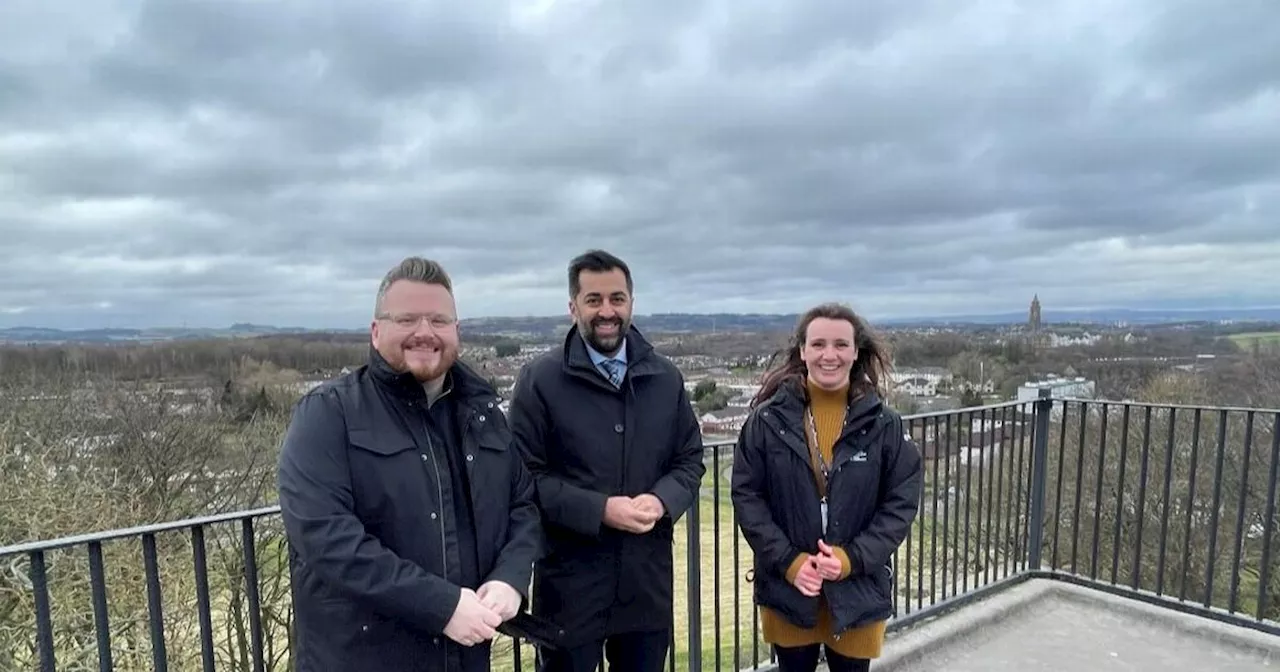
863, 642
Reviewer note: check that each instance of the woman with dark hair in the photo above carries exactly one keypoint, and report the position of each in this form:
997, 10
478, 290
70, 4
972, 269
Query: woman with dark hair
826, 485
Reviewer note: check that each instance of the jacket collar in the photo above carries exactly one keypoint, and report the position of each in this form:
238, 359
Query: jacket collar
785, 410
461, 381
577, 360
790, 400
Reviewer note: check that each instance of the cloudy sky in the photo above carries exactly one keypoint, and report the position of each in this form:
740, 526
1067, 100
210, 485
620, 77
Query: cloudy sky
211, 161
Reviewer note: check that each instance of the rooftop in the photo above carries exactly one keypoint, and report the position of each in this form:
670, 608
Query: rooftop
1085, 535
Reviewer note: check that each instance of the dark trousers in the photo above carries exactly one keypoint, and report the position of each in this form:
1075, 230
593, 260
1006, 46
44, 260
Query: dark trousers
805, 659
628, 652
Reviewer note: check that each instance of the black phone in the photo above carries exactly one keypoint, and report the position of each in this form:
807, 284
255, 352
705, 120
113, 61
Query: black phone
533, 629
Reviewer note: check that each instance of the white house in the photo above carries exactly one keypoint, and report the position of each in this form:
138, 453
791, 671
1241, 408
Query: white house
724, 421
1061, 388
920, 382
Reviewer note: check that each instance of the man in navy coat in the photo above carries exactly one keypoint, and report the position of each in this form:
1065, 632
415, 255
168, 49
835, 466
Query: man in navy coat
411, 522
608, 432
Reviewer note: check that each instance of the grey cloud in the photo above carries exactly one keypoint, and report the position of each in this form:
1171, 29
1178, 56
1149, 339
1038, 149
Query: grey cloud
255, 55
914, 159
1242, 59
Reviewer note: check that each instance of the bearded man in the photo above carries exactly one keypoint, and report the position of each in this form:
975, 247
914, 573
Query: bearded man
605, 425
412, 524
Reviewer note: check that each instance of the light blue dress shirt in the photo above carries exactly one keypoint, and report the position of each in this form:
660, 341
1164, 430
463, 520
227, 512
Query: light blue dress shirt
599, 359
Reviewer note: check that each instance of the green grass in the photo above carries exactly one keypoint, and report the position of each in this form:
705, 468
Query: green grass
1246, 340
716, 560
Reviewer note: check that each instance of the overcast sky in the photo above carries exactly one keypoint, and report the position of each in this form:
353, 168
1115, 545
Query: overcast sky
215, 161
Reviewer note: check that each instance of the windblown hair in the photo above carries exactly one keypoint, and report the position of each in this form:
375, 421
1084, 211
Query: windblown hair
413, 269
870, 371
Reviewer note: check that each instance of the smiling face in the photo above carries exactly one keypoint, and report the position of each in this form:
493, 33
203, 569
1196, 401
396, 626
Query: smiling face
829, 352
416, 329
602, 309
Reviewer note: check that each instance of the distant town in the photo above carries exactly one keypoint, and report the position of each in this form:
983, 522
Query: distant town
938, 366
722, 367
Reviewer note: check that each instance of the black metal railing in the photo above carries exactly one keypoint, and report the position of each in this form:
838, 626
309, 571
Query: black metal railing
111, 641
1173, 505
1183, 509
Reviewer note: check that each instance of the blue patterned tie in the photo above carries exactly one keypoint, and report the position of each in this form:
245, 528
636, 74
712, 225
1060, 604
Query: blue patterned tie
614, 367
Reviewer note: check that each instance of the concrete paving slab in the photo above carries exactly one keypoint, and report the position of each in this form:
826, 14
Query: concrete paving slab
1047, 625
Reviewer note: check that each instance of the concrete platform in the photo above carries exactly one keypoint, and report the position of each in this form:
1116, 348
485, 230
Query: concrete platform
1048, 625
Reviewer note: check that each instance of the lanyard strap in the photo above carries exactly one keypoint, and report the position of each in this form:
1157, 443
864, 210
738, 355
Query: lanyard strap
821, 470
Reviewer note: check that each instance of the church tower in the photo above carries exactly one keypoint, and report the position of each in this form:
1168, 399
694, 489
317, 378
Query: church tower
1033, 320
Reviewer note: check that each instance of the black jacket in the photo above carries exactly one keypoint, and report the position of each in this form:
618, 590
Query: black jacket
584, 441
377, 550
873, 497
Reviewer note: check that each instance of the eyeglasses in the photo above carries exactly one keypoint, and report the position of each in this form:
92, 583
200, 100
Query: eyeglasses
411, 320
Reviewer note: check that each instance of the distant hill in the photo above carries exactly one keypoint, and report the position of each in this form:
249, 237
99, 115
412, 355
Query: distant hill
1107, 316
1136, 316
658, 322
148, 335
549, 326
760, 322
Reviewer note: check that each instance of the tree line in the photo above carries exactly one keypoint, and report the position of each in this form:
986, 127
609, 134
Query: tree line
202, 359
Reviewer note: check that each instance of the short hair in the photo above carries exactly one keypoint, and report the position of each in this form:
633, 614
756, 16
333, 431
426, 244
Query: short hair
413, 269
596, 261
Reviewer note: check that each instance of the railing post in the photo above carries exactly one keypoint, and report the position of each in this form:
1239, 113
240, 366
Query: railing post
694, 586
44, 619
1039, 472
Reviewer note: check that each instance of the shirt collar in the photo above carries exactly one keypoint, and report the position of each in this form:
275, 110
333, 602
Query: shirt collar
597, 358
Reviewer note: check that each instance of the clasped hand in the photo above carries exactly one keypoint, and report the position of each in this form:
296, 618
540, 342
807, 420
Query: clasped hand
824, 566
481, 611
633, 514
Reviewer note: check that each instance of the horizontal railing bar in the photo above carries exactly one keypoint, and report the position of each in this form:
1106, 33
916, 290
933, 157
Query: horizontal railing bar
966, 410
952, 604
155, 528
1155, 405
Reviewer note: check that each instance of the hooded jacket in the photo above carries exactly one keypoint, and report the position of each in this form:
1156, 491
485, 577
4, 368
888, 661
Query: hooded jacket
873, 497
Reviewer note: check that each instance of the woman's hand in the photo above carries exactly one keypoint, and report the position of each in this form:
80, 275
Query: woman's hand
808, 581
827, 563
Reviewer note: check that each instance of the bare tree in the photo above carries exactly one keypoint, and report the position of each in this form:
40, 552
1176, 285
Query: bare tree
81, 458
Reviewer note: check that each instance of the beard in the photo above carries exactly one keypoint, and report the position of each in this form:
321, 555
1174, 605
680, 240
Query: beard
426, 360
606, 343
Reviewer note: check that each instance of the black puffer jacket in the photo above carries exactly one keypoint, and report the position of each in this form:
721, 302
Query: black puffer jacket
874, 494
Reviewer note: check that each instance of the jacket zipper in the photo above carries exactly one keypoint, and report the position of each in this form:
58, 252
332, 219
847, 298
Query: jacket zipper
843, 463
444, 553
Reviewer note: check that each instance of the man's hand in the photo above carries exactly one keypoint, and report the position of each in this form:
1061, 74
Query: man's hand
808, 581
631, 515
499, 597
828, 564
650, 505
472, 621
